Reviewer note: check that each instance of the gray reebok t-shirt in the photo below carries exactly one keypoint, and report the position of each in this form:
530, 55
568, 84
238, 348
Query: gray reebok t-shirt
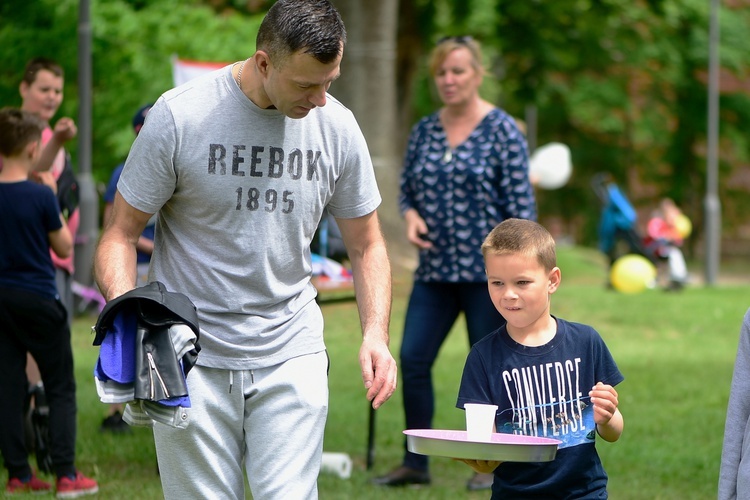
239, 192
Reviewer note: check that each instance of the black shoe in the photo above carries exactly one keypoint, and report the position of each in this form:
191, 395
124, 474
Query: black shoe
480, 482
115, 424
403, 475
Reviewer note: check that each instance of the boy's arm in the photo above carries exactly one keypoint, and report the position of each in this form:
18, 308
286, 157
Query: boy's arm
145, 245
61, 241
65, 130
609, 421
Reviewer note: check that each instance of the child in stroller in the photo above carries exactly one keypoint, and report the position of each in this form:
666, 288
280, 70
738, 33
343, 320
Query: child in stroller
664, 239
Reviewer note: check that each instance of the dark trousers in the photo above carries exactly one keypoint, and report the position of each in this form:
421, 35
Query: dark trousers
39, 325
433, 310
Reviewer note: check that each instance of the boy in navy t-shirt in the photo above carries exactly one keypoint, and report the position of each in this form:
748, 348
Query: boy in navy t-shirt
548, 377
32, 318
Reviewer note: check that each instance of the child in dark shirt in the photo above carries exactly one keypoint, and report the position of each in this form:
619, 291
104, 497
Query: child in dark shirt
548, 377
32, 318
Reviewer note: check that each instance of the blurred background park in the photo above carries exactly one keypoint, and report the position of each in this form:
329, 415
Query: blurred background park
624, 84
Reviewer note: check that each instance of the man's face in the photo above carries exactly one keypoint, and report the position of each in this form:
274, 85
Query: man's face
299, 83
44, 96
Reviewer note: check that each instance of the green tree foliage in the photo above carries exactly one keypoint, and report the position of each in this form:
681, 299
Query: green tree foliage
32, 29
133, 43
135, 47
623, 84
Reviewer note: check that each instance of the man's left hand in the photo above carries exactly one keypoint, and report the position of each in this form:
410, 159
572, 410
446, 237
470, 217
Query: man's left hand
379, 371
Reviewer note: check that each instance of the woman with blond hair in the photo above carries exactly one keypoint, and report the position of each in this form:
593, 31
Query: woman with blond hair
465, 171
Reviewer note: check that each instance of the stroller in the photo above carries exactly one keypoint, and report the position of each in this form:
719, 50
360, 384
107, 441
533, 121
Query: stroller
36, 427
618, 233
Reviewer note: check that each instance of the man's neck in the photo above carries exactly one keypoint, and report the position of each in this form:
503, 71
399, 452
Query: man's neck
255, 90
250, 83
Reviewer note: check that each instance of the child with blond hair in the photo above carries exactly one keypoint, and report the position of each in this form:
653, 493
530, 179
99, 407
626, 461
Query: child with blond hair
549, 377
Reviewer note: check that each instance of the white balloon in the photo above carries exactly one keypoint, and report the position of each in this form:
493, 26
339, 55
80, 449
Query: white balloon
551, 165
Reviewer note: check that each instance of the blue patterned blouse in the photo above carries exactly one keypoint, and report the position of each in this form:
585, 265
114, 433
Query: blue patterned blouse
465, 192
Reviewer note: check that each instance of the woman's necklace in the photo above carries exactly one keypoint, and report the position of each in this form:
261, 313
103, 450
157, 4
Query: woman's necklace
448, 156
464, 123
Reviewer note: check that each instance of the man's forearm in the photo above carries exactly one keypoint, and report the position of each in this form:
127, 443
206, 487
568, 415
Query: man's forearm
372, 285
114, 267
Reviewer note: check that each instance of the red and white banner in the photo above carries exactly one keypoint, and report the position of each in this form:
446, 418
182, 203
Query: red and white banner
184, 70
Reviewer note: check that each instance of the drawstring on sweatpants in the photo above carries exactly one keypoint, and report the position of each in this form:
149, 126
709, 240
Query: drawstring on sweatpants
231, 379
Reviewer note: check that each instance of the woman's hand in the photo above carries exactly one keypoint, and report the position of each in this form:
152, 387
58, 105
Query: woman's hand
416, 229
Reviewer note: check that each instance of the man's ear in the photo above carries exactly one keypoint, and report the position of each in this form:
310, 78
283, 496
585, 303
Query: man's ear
555, 277
262, 62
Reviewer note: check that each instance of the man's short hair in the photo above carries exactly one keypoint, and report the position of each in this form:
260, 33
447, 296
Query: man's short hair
18, 129
521, 236
313, 26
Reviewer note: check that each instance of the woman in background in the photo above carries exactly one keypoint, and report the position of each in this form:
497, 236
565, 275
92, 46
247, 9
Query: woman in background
465, 171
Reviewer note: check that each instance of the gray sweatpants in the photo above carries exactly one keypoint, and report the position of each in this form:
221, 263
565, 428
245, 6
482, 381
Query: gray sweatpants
272, 419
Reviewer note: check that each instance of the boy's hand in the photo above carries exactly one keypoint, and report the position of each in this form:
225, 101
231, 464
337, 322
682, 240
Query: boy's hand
65, 129
604, 399
609, 421
45, 178
480, 466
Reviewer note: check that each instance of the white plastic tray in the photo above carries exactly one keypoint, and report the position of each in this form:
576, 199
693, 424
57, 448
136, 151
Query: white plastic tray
502, 447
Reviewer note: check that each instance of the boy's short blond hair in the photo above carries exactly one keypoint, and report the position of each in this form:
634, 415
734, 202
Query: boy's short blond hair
521, 236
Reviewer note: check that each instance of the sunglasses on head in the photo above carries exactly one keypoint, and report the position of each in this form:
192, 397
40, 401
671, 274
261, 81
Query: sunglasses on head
463, 40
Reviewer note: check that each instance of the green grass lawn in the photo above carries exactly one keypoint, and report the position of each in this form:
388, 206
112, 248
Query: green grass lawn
676, 351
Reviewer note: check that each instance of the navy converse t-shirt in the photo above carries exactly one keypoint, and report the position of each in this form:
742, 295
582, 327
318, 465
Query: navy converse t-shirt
543, 391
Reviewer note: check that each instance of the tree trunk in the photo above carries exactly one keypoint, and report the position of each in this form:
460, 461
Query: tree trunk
368, 87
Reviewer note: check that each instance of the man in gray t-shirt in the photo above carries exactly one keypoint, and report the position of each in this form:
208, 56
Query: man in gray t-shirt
240, 165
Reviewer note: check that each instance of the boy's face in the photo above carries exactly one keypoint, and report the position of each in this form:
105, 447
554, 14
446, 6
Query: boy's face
520, 288
44, 96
